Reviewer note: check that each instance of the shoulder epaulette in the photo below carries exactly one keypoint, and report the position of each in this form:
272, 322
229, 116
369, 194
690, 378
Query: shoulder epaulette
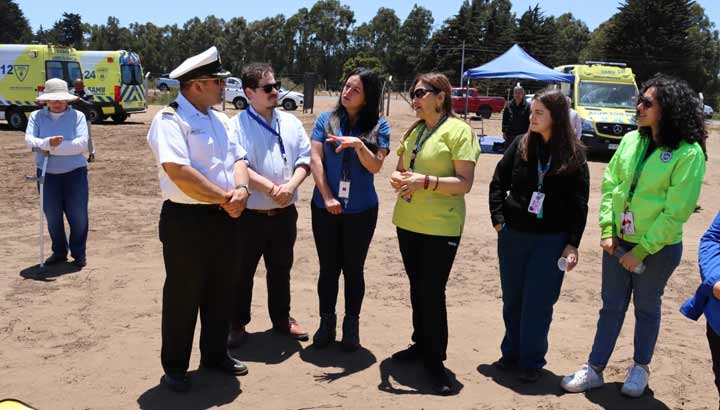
171, 109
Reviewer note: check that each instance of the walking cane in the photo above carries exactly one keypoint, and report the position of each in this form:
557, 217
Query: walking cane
41, 181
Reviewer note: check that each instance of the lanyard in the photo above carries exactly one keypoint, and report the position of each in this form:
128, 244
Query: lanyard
542, 170
272, 130
420, 142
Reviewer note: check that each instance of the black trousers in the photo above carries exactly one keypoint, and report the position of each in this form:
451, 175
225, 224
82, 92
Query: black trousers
273, 239
714, 341
199, 243
428, 260
342, 243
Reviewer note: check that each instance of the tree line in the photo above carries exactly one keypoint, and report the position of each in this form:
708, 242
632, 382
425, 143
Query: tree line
672, 36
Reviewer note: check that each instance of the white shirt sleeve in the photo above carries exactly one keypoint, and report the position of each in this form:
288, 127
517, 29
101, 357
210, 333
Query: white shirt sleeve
303, 146
31, 135
167, 140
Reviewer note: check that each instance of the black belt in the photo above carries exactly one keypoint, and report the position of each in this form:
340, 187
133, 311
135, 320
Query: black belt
270, 212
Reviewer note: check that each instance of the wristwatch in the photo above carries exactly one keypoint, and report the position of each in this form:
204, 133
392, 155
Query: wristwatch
245, 186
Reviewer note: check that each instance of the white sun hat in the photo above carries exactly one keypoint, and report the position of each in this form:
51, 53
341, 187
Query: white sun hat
56, 90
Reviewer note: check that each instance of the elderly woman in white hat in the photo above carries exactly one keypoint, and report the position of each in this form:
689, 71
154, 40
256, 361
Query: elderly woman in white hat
61, 132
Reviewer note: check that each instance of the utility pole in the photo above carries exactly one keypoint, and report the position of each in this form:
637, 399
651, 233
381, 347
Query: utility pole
462, 64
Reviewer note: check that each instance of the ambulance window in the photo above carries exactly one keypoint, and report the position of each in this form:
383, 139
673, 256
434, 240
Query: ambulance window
128, 74
54, 69
138, 74
75, 72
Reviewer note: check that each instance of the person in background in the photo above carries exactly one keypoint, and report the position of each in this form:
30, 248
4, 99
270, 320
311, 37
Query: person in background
83, 104
435, 169
538, 205
61, 132
516, 116
575, 120
649, 191
278, 155
707, 297
349, 146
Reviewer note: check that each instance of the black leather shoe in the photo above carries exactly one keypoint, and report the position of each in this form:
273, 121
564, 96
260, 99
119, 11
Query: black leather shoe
505, 364
530, 375
55, 258
176, 383
441, 383
229, 366
411, 354
80, 262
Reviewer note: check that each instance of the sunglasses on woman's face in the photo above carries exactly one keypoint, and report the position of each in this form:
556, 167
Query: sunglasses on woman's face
420, 92
269, 87
645, 102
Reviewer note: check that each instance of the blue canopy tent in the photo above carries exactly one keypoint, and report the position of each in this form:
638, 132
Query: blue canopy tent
514, 63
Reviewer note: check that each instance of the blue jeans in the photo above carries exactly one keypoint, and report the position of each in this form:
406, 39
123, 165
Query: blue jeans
67, 194
531, 283
646, 289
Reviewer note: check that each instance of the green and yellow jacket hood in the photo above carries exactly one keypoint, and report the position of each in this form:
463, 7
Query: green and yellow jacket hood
666, 194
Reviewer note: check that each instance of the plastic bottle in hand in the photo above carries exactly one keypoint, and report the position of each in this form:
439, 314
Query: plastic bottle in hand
620, 251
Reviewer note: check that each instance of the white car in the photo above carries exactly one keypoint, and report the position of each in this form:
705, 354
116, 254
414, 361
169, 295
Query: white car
289, 100
708, 111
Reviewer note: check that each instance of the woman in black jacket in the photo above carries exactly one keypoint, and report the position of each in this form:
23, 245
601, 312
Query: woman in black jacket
538, 204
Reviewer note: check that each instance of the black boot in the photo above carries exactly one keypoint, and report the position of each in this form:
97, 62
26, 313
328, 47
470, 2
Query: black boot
326, 332
351, 333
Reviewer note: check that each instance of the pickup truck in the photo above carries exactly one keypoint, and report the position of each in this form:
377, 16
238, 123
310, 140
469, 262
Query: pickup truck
482, 105
165, 83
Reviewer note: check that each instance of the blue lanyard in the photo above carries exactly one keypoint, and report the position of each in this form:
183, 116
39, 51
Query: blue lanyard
272, 130
542, 170
420, 142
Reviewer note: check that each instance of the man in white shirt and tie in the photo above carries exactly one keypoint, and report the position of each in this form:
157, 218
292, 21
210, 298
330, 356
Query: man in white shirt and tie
278, 156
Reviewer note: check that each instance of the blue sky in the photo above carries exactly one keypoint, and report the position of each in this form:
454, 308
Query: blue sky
41, 12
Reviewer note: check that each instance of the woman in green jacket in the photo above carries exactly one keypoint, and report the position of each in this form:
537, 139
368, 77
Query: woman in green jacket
649, 191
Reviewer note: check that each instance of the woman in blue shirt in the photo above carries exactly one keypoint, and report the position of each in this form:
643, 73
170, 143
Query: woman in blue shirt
707, 297
348, 146
61, 132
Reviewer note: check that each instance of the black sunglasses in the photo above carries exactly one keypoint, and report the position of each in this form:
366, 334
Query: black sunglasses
420, 92
646, 103
269, 87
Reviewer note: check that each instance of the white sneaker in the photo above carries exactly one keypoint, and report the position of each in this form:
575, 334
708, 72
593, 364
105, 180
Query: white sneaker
636, 381
584, 379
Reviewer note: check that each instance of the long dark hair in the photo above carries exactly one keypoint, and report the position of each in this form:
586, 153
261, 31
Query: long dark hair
681, 112
567, 152
370, 112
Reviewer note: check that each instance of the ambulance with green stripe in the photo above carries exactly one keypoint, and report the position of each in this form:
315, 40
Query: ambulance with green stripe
23, 71
116, 80
604, 95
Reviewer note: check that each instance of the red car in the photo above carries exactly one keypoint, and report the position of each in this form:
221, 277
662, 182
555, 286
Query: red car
482, 105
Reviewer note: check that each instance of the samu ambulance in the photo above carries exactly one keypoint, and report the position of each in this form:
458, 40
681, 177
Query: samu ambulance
116, 80
23, 72
604, 95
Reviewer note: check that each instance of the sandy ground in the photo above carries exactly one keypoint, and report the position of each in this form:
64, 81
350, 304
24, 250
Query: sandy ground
90, 339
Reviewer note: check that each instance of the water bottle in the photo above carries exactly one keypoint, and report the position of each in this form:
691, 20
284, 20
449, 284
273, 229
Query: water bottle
620, 251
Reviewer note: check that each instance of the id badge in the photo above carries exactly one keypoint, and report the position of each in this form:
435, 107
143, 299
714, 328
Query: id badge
344, 191
628, 223
287, 173
536, 203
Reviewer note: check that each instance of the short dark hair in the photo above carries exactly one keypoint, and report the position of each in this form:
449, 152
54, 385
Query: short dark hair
564, 145
681, 112
253, 73
370, 112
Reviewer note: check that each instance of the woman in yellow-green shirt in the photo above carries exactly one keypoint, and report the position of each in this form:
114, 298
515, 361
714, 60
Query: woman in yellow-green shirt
434, 172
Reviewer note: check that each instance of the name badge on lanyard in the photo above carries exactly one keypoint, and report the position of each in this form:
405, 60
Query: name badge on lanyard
287, 167
538, 197
344, 187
